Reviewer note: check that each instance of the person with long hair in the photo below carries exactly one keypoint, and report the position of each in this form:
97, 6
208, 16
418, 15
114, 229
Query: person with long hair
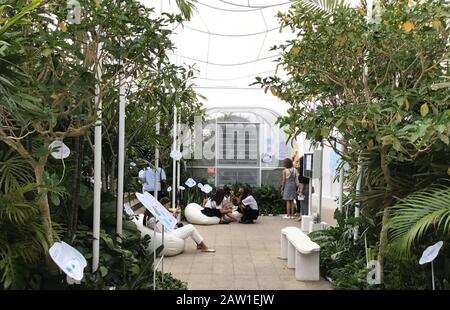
215, 206
183, 232
289, 185
247, 205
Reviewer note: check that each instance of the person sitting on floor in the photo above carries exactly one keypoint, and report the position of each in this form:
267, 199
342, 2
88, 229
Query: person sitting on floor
215, 206
184, 232
247, 206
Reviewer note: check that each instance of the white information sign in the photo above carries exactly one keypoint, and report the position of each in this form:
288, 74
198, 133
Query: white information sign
68, 259
157, 209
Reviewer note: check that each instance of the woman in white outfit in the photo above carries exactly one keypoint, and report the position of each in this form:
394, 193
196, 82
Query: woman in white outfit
183, 232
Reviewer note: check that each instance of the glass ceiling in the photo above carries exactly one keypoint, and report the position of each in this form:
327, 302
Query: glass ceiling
228, 42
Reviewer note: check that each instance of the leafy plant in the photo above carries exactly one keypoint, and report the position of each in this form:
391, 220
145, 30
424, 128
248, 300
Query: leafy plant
374, 92
421, 213
22, 241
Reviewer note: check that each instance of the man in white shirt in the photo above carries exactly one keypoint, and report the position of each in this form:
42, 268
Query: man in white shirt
151, 177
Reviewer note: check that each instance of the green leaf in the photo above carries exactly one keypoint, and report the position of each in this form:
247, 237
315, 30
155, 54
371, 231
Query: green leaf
444, 139
413, 137
41, 152
424, 109
324, 132
387, 140
103, 271
135, 269
397, 145
55, 199
46, 52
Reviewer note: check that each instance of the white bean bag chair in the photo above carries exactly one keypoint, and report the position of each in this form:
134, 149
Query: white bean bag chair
172, 244
194, 215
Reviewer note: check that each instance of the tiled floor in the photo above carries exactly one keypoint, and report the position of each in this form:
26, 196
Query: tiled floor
246, 257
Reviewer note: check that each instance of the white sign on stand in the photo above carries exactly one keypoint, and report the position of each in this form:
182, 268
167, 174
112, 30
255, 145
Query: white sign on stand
429, 255
68, 259
167, 220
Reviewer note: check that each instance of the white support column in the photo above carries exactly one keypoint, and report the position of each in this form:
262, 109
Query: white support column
97, 164
121, 153
174, 162
155, 192
320, 185
178, 161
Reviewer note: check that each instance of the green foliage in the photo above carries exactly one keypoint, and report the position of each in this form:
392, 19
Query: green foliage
47, 86
22, 239
269, 200
342, 258
419, 214
13, 170
124, 263
168, 282
326, 7
376, 93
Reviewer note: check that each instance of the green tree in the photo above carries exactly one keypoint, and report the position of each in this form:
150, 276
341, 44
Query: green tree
390, 117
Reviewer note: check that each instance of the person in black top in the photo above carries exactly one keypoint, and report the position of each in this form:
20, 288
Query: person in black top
303, 190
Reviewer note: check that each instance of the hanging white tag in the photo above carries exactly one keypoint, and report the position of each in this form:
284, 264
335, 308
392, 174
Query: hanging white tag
59, 150
206, 188
190, 182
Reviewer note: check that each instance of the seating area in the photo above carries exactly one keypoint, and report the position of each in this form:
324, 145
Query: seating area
246, 257
194, 215
301, 253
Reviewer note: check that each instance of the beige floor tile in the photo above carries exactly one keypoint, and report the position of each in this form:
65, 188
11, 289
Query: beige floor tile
245, 258
246, 283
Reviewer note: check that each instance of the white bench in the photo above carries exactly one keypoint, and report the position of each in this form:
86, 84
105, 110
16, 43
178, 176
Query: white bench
301, 253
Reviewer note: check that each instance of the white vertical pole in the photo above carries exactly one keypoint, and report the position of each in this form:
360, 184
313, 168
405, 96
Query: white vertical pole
320, 184
97, 164
155, 192
310, 196
121, 152
178, 161
358, 191
174, 162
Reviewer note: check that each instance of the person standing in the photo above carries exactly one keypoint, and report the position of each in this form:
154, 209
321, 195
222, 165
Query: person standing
289, 185
151, 177
303, 190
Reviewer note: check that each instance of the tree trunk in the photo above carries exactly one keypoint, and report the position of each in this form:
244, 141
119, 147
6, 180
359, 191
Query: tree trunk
73, 215
44, 209
387, 202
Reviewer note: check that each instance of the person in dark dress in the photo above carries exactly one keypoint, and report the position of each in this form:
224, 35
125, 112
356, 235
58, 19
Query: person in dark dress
303, 190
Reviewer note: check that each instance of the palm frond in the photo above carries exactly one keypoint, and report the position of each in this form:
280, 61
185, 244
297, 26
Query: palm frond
416, 214
186, 7
325, 7
14, 171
